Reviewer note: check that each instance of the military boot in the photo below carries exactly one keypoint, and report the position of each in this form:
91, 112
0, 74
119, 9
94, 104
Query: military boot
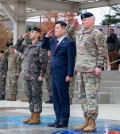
28, 120
35, 119
83, 126
13, 98
9, 99
25, 99
91, 126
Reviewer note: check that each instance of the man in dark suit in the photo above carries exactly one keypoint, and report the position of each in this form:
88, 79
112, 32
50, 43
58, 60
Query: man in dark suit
63, 54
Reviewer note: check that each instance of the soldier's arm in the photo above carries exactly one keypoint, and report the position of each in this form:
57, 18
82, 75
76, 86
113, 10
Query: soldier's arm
19, 45
5, 67
43, 58
6, 53
102, 49
19, 62
71, 32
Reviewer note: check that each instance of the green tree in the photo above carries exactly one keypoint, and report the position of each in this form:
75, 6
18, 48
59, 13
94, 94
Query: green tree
112, 19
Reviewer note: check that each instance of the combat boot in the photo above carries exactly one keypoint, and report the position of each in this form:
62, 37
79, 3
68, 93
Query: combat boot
13, 98
35, 119
25, 99
83, 126
28, 120
91, 126
9, 99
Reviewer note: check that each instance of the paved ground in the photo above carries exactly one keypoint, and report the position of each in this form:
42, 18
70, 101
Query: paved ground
13, 113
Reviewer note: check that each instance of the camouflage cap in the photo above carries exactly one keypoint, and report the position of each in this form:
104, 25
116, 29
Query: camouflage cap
86, 15
35, 29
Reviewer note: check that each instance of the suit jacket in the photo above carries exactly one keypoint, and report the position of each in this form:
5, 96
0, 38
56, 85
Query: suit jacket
62, 58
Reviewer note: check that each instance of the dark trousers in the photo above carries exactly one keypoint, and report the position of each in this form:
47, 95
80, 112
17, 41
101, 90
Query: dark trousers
60, 92
112, 57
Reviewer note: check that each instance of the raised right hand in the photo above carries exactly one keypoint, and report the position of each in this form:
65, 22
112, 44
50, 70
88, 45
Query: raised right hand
25, 36
51, 33
75, 24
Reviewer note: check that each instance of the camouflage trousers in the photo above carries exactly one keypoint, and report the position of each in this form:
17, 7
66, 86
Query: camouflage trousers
25, 87
48, 79
13, 87
2, 86
71, 87
89, 87
35, 95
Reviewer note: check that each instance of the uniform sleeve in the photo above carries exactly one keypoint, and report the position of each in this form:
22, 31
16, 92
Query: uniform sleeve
71, 33
43, 58
19, 46
19, 61
102, 49
5, 67
6, 53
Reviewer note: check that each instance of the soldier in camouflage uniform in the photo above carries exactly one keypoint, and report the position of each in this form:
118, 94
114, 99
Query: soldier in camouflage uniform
14, 68
35, 62
91, 54
48, 78
3, 75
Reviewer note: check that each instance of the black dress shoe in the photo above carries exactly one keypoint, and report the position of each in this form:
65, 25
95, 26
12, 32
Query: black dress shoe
52, 124
61, 125
49, 101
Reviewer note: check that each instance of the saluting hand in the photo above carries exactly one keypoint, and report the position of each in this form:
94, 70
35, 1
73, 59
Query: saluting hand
75, 24
51, 33
25, 36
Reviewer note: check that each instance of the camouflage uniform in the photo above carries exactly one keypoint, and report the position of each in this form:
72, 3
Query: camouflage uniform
48, 79
14, 68
3, 75
35, 62
91, 52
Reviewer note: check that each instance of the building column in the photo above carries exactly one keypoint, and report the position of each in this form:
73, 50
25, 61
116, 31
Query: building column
18, 17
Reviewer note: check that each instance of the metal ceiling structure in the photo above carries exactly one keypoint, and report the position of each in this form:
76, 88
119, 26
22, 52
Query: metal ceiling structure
19, 10
43, 7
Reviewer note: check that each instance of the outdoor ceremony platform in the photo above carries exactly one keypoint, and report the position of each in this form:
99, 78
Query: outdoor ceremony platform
12, 113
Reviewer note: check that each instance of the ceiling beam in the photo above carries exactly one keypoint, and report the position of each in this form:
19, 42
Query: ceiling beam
56, 5
101, 3
41, 12
8, 10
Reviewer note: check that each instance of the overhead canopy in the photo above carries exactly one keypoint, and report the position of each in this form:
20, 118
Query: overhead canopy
42, 7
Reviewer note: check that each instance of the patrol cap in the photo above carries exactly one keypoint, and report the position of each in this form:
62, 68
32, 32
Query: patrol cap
86, 15
37, 29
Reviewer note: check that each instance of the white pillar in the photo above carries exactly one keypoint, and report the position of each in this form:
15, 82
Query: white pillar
18, 16
20, 20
